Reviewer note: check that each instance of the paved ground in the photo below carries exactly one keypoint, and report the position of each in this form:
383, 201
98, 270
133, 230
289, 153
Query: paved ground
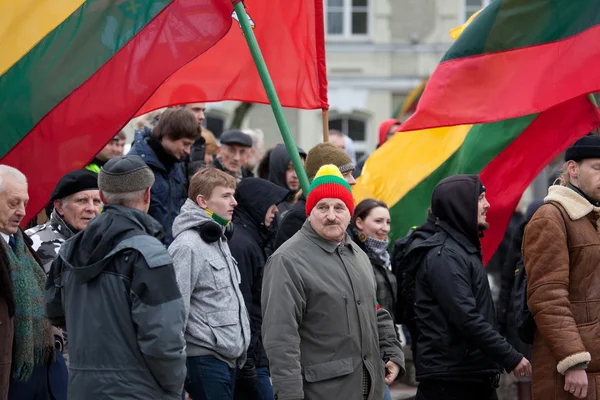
401, 391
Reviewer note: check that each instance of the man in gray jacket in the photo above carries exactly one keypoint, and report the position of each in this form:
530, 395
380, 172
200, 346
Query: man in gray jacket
217, 330
323, 331
114, 288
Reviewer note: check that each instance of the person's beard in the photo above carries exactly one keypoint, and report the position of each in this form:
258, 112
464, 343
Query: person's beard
482, 227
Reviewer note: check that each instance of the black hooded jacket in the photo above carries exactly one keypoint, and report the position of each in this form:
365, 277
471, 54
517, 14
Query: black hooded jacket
279, 160
458, 337
254, 197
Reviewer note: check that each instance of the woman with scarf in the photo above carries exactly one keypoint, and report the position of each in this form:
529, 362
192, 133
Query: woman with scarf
370, 228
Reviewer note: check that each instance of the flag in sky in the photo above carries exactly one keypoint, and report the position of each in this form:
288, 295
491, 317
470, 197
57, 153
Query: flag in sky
291, 37
516, 58
508, 153
74, 72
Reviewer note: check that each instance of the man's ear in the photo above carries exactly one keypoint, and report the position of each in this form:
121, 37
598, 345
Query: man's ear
58, 206
201, 201
147, 195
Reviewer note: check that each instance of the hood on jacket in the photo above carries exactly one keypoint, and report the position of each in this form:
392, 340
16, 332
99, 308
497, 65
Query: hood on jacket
384, 128
279, 159
190, 217
89, 251
455, 200
254, 197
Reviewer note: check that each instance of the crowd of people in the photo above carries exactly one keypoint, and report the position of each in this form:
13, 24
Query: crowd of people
191, 268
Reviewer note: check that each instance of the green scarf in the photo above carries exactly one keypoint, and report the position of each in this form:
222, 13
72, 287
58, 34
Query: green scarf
218, 219
33, 341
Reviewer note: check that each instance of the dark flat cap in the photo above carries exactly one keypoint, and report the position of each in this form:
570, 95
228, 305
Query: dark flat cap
125, 174
236, 137
74, 182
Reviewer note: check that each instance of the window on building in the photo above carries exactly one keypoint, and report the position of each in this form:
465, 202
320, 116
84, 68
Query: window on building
347, 18
472, 6
215, 123
356, 129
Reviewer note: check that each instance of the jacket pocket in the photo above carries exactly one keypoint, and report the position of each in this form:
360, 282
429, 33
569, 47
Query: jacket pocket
590, 332
221, 274
223, 325
347, 314
328, 370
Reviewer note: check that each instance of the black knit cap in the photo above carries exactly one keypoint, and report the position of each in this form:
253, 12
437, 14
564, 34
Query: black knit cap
74, 182
586, 147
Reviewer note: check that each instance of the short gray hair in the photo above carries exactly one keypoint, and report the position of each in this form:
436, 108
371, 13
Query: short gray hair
257, 136
124, 199
12, 172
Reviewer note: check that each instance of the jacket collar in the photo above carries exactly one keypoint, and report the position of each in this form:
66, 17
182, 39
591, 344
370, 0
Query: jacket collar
326, 245
574, 204
458, 237
61, 226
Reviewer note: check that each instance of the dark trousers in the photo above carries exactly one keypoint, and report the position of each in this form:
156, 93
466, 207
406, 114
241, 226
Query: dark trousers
46, 383
209, 378
255, 389
447, 390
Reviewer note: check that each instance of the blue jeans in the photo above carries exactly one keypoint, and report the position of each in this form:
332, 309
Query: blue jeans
387, 395
254, 388
265, 389
209, 378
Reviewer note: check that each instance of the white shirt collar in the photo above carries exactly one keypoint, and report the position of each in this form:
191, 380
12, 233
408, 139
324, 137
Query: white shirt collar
5, 237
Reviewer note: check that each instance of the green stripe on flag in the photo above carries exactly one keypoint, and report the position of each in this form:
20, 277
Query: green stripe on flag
510, 24
65, 59
482, 144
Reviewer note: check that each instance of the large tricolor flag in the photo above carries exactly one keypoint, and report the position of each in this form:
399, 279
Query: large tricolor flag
510, 152
74, 72
291, 37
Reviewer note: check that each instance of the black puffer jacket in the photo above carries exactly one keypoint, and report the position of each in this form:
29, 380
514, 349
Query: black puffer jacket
254, 197
454, 308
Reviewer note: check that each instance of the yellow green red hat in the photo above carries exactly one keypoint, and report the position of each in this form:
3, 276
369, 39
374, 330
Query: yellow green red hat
329, 184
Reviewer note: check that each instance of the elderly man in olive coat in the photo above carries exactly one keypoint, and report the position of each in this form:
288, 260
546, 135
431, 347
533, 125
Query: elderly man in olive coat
323, 331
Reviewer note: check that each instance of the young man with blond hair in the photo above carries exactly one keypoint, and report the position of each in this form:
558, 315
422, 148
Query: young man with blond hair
217, 330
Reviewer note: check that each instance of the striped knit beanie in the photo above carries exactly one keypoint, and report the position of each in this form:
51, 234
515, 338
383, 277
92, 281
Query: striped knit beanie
329, 184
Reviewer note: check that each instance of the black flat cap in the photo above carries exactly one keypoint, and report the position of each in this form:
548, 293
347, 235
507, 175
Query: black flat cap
125, 174
236, 137
74, 182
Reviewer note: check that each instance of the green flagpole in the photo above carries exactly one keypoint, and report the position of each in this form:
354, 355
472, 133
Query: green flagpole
272, 95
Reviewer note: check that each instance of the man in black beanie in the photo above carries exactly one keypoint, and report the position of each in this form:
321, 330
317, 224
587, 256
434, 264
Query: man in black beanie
460, 353
114, 286
76, 200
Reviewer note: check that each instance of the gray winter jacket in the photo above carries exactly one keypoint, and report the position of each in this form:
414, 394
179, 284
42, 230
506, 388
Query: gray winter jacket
208, 278
114, 286
321, 326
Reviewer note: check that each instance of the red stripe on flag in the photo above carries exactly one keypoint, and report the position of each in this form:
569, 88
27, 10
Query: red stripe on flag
291, 38
513, 83
508, 175
73, 132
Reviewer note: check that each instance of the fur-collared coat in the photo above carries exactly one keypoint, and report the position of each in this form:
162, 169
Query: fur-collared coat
562, 260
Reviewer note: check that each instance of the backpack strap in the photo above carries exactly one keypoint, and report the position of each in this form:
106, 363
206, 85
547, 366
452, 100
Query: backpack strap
563, 218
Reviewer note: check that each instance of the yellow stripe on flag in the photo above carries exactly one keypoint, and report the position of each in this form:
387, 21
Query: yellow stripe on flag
23, 23
406, 160
455, 33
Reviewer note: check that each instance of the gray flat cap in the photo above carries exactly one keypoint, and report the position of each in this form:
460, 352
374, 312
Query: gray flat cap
125, 174
236, 137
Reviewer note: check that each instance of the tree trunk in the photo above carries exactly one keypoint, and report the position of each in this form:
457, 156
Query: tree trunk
239, 114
